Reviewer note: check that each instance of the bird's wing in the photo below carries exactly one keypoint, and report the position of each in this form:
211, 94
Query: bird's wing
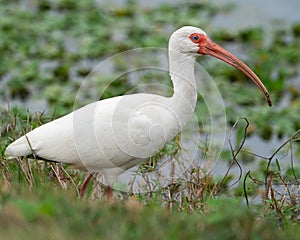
84, 138
106, 134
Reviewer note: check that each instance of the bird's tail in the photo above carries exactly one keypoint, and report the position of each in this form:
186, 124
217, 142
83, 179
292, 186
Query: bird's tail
18, 148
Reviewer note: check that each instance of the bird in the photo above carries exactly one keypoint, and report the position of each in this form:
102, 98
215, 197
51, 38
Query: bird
116, 134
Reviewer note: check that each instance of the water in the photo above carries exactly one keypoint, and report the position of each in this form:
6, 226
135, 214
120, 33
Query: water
258, 13
245, 14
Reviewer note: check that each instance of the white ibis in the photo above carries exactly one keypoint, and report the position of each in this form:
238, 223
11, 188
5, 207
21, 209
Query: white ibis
115, 134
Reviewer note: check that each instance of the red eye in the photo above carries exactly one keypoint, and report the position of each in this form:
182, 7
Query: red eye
196, 37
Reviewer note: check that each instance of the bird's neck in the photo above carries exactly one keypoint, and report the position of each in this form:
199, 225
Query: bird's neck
185, 91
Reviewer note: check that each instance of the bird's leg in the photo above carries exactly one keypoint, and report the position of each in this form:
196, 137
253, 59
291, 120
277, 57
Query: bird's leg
109, 194
85, 183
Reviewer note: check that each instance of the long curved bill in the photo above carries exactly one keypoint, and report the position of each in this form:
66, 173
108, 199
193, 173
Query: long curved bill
210, 48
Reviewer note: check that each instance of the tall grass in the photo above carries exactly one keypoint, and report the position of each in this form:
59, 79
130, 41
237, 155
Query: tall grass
46, 195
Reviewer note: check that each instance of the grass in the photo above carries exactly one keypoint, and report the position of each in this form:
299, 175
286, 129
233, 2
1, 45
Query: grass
41, 200
32, 217
52, 213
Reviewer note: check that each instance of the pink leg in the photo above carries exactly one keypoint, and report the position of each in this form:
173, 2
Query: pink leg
109, 194
85, 183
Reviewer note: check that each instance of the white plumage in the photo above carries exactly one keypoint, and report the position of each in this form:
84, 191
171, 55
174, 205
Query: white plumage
116, 134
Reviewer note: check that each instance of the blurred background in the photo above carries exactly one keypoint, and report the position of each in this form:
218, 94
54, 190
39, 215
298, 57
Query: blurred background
49, 47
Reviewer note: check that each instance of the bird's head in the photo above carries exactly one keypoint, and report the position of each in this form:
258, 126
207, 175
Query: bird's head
194, 42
